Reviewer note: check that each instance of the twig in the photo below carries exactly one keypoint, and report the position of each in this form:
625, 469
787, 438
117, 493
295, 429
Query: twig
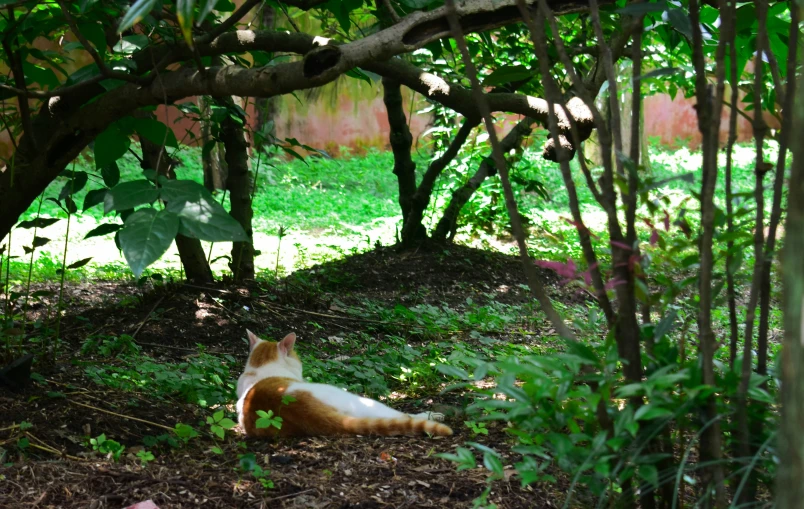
13, 426
104, 69
289, 495
122, 415
48, 448
148, 316
290, 20
391, 10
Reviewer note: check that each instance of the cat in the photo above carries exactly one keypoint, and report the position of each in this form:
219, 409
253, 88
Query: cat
273, 372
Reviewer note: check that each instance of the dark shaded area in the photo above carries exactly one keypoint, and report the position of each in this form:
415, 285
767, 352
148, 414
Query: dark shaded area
170, 320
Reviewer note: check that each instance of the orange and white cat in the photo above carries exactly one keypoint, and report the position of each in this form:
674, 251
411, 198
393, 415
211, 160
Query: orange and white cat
273, 371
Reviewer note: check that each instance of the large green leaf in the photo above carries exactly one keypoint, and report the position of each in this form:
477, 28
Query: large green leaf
110, 145
146, 236
201, 216
129, 195
156, 132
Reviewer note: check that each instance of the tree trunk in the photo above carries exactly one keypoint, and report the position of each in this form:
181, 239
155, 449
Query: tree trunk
265, 109
447, 224
240, 185
411, 231
790, 487
401, 143
196, 268
211, 155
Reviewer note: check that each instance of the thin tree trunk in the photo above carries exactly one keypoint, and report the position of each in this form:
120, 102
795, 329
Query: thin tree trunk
401, 143
265, 108
447, 224
730, 291
745, 447
191, 252
239, 185
776, 207
211, 158
421, 198
790, 479
708, 111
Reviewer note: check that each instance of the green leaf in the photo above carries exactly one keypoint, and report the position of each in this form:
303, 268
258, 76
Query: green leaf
507, 74
76, 183
665, 325
679, 20
131, 44
79, 263
649, 474
111, 174
201, 216
649, 411
39, 222
493, 464
657, 73
184, 11
206, 8
453, 371
642, 8
156, 132
139, 10
94, 197
227, 423
129, 195
358, 74
146, 236
110, 145
104, 229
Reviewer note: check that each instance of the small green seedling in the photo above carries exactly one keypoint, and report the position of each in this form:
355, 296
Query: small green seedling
110, 448
268, 419
218, 424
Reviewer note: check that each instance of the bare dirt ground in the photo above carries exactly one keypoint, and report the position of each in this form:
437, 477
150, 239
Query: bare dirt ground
65, 407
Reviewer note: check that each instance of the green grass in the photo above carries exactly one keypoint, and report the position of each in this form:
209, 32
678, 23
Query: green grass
336, 207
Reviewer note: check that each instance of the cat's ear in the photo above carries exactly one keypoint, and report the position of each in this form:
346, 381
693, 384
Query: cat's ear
286, 345
252, 340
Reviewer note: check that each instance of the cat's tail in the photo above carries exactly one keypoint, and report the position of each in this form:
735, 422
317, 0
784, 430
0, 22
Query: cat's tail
394, 426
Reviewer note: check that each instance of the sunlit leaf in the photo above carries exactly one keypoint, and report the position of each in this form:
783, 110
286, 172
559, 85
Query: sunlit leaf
129, 195
146, 236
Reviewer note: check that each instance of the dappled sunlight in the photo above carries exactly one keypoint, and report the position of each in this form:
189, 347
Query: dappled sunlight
434, 83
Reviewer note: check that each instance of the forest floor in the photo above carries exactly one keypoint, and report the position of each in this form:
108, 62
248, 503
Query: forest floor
136, 394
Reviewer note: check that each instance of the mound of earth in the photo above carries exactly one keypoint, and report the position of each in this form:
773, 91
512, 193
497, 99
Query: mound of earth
168, 321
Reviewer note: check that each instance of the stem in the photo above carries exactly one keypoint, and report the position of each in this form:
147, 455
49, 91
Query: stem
30, 266
63, 271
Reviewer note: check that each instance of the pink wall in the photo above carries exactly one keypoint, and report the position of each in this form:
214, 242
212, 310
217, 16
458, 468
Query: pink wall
675, 122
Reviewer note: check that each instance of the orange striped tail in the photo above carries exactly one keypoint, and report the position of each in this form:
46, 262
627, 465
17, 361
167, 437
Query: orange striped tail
399, 426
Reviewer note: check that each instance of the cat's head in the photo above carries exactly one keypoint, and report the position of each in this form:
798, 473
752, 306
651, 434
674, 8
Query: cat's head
269, 358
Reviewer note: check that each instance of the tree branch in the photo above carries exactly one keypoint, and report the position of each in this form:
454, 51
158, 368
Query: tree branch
105, 71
